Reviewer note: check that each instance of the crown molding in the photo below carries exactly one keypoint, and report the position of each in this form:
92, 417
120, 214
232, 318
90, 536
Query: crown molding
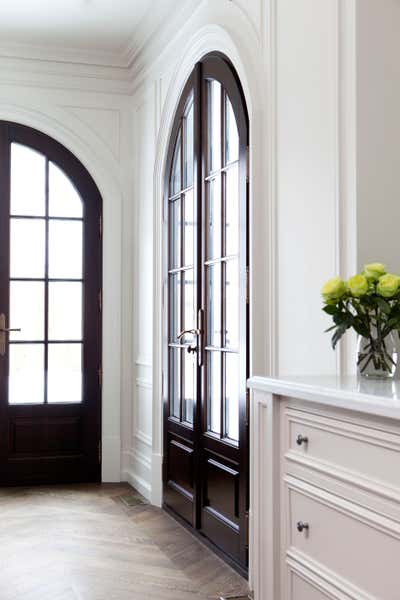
65, 76
147, 33
94, 70
62, 54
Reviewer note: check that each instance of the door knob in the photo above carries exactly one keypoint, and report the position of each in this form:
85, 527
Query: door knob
301, 526
301, 439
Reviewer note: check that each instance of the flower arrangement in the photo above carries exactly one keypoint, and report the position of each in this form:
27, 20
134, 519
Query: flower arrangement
369, 303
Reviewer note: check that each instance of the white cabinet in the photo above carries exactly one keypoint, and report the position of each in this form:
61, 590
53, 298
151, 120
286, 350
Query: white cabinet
325, 506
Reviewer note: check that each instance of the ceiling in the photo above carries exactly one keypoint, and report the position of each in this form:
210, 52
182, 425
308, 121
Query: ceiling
113, 27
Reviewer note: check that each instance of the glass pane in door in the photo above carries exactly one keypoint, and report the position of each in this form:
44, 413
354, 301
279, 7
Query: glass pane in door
175, 382
214, 218
231, 133
28, 175
65, 249
176, 173
232, 304
64, 200
175, 258
214, 305
27, 251
189, 386
214, 392
65, 373
26, 374
231, 404
188, 145
65, 310
27, 310
214, 90
232, 210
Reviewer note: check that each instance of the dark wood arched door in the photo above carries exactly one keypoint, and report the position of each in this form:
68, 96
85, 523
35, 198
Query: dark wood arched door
50, 312
206, 356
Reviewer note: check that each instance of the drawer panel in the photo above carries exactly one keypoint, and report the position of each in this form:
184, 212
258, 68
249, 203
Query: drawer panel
372, 454
356, 544
300, 589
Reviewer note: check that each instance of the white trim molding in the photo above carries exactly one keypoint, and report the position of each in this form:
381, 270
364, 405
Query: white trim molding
105, 172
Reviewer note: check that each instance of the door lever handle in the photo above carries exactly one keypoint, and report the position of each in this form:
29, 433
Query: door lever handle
188, 331
3, 331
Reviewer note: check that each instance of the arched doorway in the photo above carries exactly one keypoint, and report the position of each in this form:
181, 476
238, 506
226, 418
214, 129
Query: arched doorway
206, 310
50, 312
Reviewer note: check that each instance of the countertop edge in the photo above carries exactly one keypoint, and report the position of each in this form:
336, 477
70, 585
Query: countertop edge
382, 406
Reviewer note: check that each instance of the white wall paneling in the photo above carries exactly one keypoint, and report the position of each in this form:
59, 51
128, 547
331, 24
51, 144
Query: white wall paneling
75, 120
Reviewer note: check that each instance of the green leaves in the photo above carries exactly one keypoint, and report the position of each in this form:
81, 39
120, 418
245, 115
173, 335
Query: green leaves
340, 331
331, 309
383, 305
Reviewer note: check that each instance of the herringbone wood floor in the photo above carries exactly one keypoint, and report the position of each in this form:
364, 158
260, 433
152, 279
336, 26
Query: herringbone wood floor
83, 543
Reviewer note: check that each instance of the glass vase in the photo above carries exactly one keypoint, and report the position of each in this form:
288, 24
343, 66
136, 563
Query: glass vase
377, 356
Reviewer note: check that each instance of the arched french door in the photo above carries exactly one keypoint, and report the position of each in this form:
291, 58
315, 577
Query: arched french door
50, 312
206, 433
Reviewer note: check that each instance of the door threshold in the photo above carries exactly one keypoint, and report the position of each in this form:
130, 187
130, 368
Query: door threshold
243, 571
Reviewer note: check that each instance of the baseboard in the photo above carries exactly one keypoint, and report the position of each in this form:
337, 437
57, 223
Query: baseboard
137, 482
134, 467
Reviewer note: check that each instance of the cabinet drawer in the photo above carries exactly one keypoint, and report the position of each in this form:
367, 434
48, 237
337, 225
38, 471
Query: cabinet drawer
343, 447
359, 547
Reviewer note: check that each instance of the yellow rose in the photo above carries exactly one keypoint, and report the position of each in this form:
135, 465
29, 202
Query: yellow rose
358, 285
374, 270
388, 285
333, 289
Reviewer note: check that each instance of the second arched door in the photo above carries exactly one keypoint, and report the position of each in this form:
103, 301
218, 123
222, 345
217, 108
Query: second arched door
206, 358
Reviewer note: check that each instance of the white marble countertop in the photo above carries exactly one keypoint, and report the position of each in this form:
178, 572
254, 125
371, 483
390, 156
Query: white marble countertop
371, 396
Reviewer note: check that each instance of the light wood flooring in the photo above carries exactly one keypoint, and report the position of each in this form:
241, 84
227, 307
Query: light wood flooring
84, 543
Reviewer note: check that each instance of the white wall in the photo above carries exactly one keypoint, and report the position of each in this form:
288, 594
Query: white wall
66, 103
307, 191
378, 132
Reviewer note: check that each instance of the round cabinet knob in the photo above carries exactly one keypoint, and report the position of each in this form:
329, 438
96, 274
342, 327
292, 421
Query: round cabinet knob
302, 526
301, 439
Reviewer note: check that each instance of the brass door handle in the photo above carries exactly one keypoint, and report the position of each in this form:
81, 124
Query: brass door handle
3, 332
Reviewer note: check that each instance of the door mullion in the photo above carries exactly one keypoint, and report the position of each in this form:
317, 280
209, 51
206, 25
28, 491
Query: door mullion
46, 286
5, 174
182, 275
